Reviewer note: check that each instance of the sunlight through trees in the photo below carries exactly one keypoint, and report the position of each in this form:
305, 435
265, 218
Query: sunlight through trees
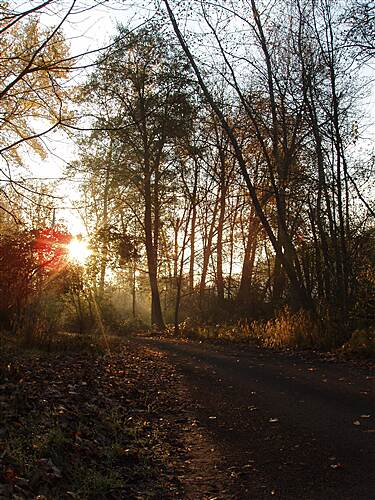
222, 157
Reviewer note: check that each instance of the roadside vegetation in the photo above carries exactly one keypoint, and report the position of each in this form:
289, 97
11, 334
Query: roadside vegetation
225, 177
286, 330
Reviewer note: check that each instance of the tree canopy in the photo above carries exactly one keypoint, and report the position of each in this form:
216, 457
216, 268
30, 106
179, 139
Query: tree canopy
223, 165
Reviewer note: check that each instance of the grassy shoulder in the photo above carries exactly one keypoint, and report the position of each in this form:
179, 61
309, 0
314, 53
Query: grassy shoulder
287, 330
86, 420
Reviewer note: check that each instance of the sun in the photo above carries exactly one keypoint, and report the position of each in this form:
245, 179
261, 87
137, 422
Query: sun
78, 251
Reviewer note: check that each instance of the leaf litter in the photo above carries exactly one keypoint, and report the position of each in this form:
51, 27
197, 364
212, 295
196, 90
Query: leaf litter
88, 425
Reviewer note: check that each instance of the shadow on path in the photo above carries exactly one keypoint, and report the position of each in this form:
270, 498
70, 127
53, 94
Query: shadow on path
285, 427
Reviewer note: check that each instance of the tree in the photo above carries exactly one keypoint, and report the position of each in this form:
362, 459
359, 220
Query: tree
29, 262
278, 158
141, 90
34, 62
298, 95
359, 18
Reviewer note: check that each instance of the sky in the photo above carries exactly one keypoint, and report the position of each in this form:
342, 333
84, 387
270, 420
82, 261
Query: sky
88, 29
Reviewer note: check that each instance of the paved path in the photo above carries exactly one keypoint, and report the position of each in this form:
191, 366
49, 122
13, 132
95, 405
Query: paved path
286, 426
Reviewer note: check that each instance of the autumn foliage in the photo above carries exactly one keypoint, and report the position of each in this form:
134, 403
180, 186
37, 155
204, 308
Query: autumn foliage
29, 261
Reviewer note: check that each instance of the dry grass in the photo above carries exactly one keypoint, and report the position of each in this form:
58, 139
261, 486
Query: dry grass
287, 329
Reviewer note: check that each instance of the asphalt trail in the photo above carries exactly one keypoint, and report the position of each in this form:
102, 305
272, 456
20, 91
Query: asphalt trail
288, 426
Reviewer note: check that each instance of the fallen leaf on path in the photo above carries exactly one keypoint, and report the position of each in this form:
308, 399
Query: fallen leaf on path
336, 466
10, 474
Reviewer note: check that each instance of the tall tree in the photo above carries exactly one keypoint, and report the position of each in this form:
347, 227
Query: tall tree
34, 62
277, 146
142, 91
292, 81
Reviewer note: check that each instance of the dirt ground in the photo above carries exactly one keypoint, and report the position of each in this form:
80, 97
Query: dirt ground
279, 424
162, 418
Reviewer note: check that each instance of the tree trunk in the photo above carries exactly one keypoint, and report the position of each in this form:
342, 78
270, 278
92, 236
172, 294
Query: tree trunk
192, 248
151, 252
104, 253
219, 248
134, 291
207, 251
243, 295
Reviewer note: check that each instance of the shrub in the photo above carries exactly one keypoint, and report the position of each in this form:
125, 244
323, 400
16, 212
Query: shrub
288, 329
362, 342
233, 332
132, 325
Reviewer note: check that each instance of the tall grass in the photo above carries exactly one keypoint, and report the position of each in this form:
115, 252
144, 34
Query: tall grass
286, 329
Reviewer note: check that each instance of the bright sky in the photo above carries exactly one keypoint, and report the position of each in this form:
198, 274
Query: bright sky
86, 30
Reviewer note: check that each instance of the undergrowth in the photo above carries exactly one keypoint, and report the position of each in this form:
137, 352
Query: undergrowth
287, 329
361, 342
77, 423
54, 342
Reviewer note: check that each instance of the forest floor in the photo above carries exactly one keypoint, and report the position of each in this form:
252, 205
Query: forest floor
162, 418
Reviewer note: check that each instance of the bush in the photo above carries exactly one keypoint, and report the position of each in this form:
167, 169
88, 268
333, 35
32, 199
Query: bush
361, 342
233, 332
132, 325
288, 329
